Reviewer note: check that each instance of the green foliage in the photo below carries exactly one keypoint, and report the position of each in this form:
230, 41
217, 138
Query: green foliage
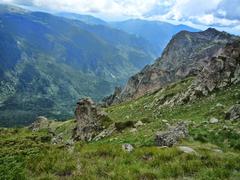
48, 62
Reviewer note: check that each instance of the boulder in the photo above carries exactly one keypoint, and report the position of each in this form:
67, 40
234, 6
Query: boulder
90, 120
40, 123
186, 149
133, 130
233, 113
214, 120
172, 136
138, 124
105, 133
127, 147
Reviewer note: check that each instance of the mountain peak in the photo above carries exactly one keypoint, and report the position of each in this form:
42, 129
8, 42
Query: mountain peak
211, 30
184, 56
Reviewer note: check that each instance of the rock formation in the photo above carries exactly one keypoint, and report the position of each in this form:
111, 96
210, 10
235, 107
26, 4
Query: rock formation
40, 123
185, 55
113, 98
91, 121
220, 72
233, 113
172, 136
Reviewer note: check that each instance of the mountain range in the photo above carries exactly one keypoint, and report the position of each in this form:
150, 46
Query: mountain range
48, 61
177, 117
185, 55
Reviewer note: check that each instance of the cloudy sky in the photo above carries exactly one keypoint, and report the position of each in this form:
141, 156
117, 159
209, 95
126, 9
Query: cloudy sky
221, 14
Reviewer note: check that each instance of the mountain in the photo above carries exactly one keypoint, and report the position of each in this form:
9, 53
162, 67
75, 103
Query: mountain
185, 55
144, 138
88, 19
48, 62
156, 32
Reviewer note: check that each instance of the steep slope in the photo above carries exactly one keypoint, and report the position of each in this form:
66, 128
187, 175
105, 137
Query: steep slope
214, 147
185, 55
156, 32
48, 62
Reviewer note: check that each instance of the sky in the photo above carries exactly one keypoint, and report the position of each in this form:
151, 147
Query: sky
221, 14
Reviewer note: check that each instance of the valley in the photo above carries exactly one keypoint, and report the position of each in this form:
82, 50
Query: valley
84, 98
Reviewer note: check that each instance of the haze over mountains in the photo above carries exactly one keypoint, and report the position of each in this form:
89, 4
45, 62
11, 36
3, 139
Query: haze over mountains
48, 61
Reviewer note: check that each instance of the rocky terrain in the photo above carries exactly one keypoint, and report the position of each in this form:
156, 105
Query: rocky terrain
174, 123
185, 55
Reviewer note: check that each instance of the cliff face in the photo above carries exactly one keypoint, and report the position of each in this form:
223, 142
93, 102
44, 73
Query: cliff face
185, 55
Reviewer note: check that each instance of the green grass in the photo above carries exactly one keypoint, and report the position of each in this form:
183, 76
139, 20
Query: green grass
29, 155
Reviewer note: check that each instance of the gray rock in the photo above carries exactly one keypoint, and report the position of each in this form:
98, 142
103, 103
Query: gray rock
40, 123
112, 99
214, 120
217, 150
91, 121
220, 105
186, 149
133, 130
172, 136
138, 124
57, 139
127, 147
69, 142
220, 71
165, 121
233, 113
105, 133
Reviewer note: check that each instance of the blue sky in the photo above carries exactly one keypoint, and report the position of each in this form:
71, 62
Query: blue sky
221, 14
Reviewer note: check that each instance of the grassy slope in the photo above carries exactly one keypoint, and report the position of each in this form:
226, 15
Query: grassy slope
24, 154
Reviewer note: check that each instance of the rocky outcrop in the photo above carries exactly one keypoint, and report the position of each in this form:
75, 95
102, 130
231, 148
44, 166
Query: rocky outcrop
112, 99
233, 113
105, 133
220, 72
91, 121
40, 123
185, 55
172, 136
127, 148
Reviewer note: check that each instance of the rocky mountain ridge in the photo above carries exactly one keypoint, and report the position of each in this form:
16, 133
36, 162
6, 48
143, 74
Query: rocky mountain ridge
185, 55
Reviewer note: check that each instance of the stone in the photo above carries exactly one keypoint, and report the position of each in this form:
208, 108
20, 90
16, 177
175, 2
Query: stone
165, 121
91, 120
69, 142
172, 136
105, 133
40, 123
220, 105
214, 120
217, 150
57, 139
233, 113
138, 124
133, 130
112, 99
127, 147
186, 149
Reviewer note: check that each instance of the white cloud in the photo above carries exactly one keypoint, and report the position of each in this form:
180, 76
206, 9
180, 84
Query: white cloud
210, 13
112, 8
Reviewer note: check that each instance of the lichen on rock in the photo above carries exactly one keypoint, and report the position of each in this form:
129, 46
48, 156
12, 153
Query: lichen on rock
172, 136
91, 120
